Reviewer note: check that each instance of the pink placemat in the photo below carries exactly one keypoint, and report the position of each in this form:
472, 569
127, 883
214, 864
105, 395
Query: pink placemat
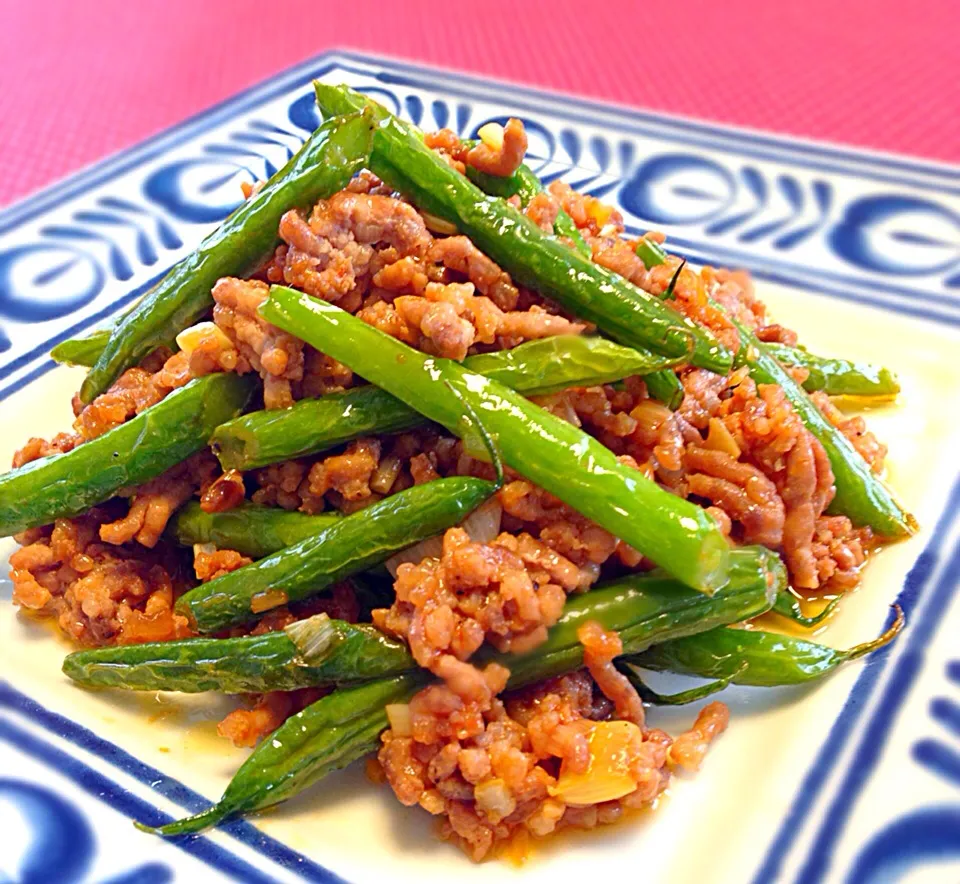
82, 80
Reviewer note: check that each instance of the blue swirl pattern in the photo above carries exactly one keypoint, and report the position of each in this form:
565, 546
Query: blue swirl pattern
63, 846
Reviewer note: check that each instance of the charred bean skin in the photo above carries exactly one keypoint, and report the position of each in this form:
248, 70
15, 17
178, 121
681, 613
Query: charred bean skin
561, 458
313, 425
534, 259
248, 664
160, 437
325, 163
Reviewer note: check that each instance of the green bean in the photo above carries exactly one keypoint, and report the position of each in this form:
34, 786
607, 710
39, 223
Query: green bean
644, 609
318, 651
313, 425
354, 543
160, 437
534, 259
551, 453
651, 253
252, 530
326, 736
666, 387
752, 657
324, 164
249, 664
84, 351
525, 184
860, 495
837, 377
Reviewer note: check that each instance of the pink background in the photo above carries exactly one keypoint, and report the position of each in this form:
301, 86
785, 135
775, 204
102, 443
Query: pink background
83, 78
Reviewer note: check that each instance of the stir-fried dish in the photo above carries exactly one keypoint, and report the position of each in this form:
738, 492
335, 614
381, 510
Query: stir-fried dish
432, 464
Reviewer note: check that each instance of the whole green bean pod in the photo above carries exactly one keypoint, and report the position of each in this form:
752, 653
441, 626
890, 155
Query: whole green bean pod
326, 736
312, 425
837, 377
353, 543
861, 494
752, 657
642, 608
65, 485
534, 259
250, 529
553, 454
525, 184
341, 653
324, 164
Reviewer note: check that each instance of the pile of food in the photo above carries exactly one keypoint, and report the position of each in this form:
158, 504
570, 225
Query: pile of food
430, 463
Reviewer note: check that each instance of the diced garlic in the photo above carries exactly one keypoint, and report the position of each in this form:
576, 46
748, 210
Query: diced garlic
491, 134
190, 338
719, 438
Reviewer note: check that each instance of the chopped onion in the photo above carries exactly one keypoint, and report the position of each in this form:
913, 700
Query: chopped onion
314, 637
482, 526
432, 547
495, 799
207, 548
491, 134
398, 714
190, 338
438, 225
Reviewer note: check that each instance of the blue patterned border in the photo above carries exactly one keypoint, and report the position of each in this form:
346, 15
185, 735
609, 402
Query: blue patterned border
876, 230
919, 584
173, 790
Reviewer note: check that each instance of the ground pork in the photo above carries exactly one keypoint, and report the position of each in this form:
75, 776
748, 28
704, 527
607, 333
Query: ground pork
99, 594
855, 429
735, 445
507, 592
372, 255
152, 504
275, 355
501, 154
495, 769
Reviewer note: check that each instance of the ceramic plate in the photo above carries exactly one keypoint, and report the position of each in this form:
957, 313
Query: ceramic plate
856, 781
